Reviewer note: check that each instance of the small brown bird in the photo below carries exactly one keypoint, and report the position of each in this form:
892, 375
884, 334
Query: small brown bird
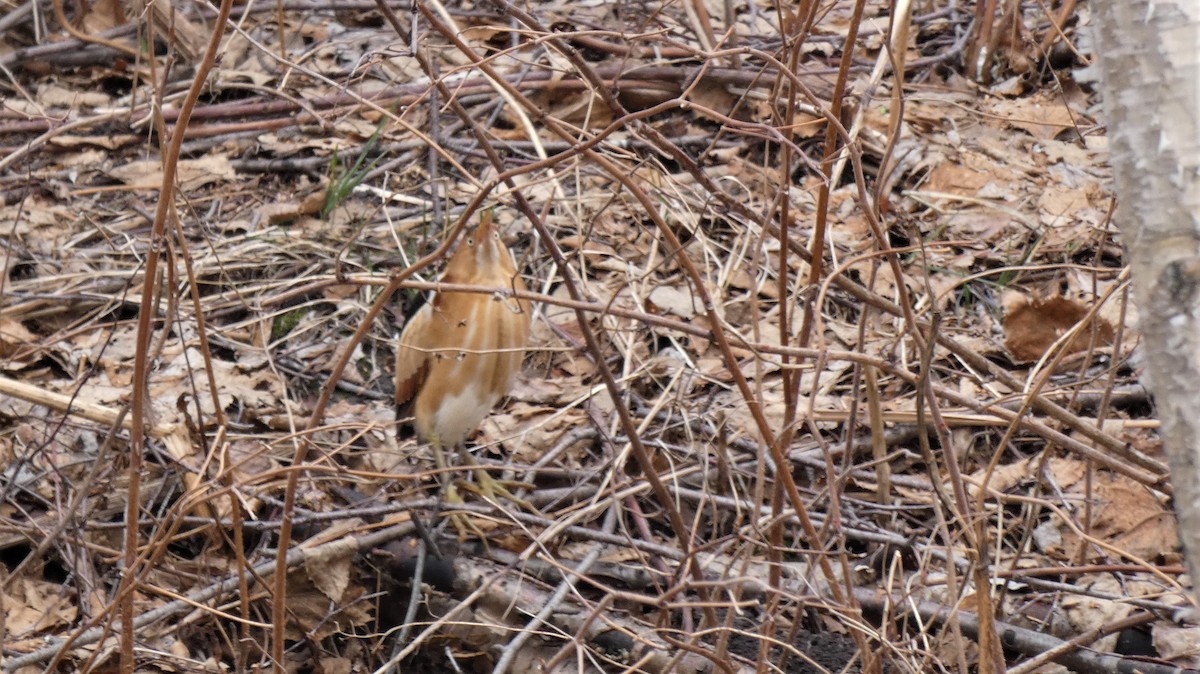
461, 351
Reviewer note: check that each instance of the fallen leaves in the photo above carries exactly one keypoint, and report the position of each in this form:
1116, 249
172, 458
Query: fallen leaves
979, 193
1106, 515
1033, 325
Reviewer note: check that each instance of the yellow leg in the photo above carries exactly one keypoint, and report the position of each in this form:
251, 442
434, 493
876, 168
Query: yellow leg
490, 488
461, 522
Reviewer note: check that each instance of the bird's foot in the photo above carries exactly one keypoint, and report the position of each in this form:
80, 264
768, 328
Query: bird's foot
492, 490
462, 522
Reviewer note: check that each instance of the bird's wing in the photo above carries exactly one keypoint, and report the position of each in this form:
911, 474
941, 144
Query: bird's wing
412, 359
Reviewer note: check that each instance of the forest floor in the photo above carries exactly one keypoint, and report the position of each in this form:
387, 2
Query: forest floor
829, 370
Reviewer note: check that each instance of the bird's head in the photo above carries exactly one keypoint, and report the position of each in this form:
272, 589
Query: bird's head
481, 255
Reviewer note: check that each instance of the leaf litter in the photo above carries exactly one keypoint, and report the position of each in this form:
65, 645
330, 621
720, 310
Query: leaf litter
995, 207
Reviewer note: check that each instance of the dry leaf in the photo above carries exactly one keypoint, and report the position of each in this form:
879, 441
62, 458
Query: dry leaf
1042, 116
1032, 325
56, 96
330, 576
1132, 518
317, 617
15, 337
190, 173
35, 606
675, 300
1178, 645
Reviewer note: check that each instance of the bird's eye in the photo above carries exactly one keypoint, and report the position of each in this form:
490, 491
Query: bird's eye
496, 236
470, 241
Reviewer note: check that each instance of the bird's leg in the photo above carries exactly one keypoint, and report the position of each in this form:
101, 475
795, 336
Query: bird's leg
490, 488
450, 493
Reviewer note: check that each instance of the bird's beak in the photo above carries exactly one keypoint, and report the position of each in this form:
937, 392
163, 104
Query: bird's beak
486, 226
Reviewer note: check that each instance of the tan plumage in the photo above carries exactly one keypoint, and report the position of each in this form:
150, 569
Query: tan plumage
461, 351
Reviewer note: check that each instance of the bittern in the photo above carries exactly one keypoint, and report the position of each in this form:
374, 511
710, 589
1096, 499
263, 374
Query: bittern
461, 351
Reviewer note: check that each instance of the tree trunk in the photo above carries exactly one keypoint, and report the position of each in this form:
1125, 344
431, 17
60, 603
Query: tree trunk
1148, 55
